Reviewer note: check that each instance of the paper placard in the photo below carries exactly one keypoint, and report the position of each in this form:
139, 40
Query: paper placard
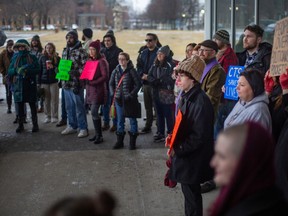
89, 70
63, 69
232, 82
279, 58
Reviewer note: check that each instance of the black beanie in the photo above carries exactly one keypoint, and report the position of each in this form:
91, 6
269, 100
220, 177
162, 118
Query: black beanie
88, 32
36, 38
255, 80
73, 33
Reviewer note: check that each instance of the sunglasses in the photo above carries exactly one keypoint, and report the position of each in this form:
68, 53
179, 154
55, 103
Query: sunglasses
148, 40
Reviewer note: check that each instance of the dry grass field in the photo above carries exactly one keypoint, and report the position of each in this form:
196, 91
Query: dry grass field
131, 40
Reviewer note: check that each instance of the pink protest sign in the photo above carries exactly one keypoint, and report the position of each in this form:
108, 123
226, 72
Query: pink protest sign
89, 70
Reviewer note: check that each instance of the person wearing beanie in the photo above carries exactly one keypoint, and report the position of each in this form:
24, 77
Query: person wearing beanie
253, 102
5, 59
87, 38
23, 70
111, 52
193, 144
96, 89
160, 79
74, 88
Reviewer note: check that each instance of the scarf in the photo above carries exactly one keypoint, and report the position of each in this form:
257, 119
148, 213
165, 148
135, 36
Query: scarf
208, 68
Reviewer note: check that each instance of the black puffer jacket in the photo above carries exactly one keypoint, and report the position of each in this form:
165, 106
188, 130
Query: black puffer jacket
130, 85
194, 142
48, 76
262, 60
111, 55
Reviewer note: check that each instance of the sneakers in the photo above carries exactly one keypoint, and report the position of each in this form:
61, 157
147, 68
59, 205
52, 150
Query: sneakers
61, 123
47, 120
145, 130
83, 133
54, 120
159, 138
68, 130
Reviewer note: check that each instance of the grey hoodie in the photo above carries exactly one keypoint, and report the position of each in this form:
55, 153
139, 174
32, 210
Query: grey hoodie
255, 110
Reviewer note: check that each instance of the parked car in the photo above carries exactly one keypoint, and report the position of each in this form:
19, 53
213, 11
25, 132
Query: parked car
75, 26
48, 27
27, 28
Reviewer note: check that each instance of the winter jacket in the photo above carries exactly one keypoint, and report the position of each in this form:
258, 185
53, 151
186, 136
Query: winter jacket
255, 110
160, 77
130, 85
111, 55
212, 85
4, 64
78, 56
228, 58
194, 144
48, 76
23, 69
145, 60
96, 89
262, 60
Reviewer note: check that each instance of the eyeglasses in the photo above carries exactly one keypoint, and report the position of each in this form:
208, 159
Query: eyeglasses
148, 40
204, 50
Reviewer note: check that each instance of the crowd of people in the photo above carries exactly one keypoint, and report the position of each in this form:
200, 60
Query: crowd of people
185, 96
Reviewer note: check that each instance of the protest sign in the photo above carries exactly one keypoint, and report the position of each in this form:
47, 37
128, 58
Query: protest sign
89, 70
63, 69
279, 58
232, 82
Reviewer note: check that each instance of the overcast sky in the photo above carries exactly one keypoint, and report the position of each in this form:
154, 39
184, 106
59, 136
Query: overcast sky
140, 5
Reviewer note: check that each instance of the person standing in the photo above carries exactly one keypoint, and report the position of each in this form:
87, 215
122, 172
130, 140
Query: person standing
125, 83
144, 62
23, 69
87, 38
96, 89
5, 58
193, 144
74, 89
49, 62
111, 52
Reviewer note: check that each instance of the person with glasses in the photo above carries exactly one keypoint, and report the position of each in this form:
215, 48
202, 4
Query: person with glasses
144, 62
257, 54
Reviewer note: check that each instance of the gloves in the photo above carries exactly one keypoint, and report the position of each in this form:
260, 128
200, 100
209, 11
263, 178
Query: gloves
284, 80
22, 70
268, 82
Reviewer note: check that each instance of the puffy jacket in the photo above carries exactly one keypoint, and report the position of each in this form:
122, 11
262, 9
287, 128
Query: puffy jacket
111, 55
47, 76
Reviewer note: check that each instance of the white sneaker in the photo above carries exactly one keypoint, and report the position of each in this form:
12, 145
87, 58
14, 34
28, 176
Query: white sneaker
54, 120
47, 120
82, 133
68, 130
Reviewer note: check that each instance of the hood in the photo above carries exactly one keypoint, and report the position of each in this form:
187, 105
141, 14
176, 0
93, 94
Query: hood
260, 98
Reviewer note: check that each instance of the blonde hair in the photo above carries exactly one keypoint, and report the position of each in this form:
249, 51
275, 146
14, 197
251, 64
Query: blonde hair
54, 54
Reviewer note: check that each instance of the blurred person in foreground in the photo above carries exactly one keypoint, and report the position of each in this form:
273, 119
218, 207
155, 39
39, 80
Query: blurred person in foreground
193, 144
244, 169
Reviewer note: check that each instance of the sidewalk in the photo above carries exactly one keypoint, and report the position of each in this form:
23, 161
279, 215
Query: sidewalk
36, 169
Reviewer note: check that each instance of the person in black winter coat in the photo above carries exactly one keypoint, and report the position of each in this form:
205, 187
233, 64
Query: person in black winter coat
191, 144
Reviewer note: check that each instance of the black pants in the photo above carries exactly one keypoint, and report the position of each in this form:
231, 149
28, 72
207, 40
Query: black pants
33, 109
8, 96
193, 199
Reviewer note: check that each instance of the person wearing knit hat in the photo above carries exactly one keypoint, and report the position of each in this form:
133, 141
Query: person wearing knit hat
87, 38
96, 89
73, 33
193, 144
165, 50
24, 68
222, 35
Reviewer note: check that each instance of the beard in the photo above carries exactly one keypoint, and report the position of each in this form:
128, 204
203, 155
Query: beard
249, 46
71, 44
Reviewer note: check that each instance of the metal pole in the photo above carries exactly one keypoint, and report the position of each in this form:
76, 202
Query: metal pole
256, 11
215, 17
233, 23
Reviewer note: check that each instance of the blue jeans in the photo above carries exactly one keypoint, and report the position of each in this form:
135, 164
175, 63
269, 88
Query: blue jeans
164, 112
63, 106
106, 109
121, 121
75, 109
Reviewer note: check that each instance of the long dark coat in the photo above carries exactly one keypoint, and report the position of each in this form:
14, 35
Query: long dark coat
194, 142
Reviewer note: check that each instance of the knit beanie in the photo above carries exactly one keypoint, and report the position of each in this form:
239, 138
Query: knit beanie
87, 32
73, 34
9, 43
210, 44
222, 35
21, 42
96, 44
110, 32
194, 65
255, 80
36, 38
165, 50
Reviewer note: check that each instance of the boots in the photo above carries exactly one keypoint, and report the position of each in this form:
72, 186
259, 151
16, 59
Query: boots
21, 125
35, 127
133, 137
98, 131
120, 137
16, 120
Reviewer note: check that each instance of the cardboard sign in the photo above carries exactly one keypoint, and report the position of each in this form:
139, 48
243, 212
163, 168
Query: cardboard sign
175, 130
89, 70
279, 58
63, 69
232, 82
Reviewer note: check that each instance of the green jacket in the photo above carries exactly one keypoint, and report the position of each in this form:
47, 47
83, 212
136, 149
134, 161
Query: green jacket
23, 70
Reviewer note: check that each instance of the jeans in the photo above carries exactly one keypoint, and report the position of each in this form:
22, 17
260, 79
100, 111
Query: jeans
75, 109
148, 103
121, 121
63, 106
164, 112
106, 111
